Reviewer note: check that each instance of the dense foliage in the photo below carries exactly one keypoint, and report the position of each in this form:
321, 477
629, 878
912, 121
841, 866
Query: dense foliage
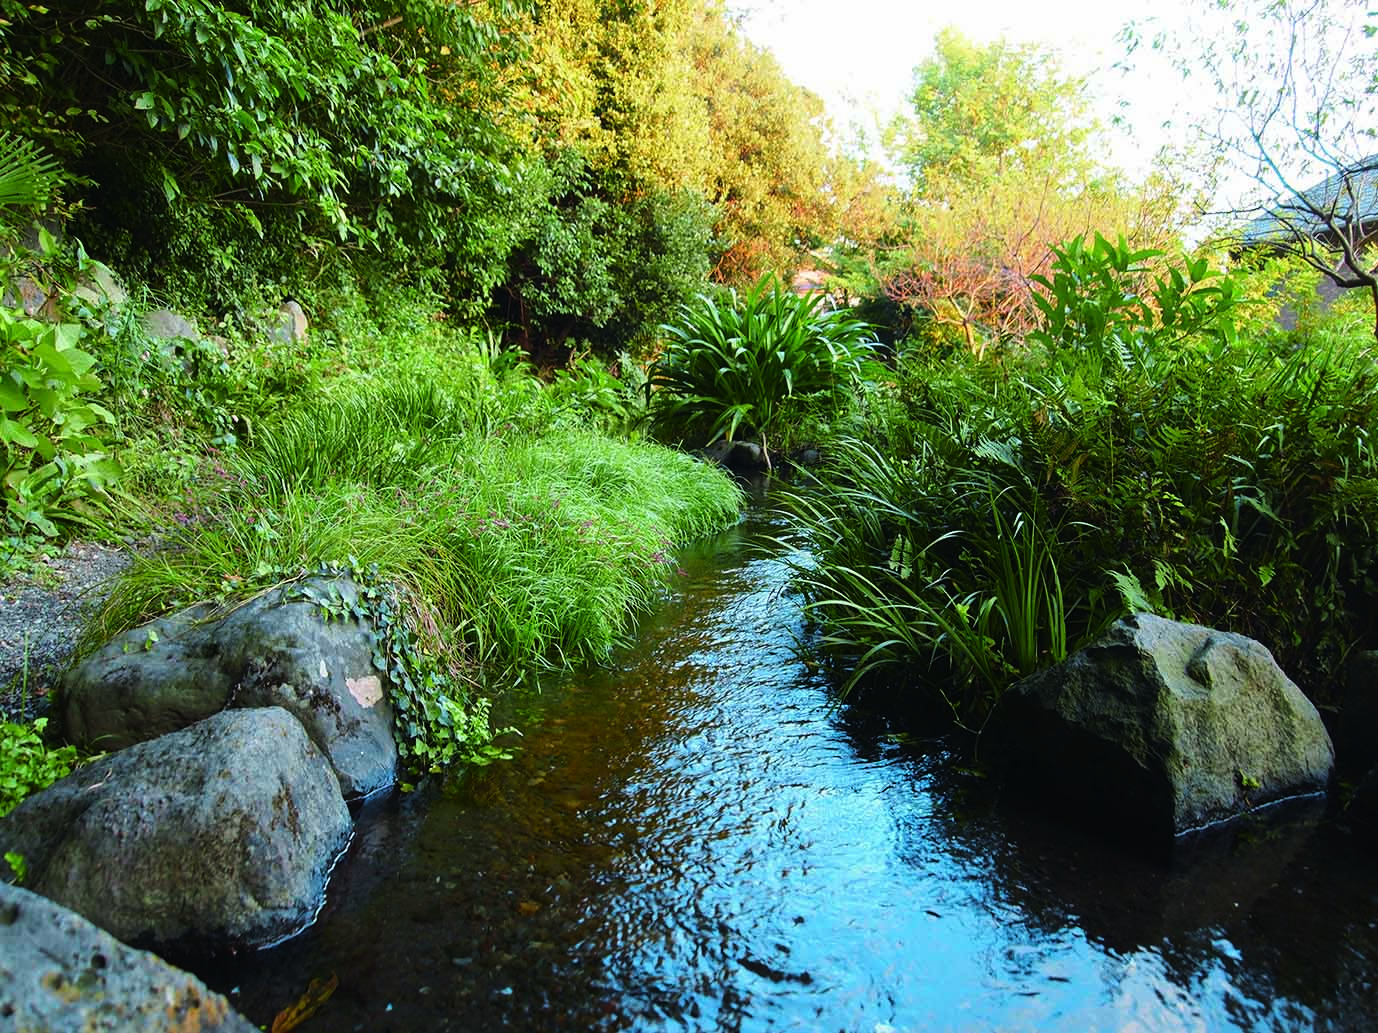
1066, 427
572, 168
1137, 454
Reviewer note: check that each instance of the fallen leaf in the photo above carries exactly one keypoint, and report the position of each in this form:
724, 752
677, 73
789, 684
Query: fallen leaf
317, 993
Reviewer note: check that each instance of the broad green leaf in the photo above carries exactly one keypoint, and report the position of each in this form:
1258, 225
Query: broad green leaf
12, 395
15, 433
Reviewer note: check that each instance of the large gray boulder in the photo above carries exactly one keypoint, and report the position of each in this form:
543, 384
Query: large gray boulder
219, 836
274, 650
1170, 725
60, 972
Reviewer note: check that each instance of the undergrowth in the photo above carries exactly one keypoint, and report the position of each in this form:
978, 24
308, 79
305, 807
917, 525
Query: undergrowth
1001, 513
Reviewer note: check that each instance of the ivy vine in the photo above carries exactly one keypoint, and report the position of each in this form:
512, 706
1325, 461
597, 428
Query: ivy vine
438, 719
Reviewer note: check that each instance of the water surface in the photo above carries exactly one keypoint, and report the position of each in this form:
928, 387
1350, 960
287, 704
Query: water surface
699, 838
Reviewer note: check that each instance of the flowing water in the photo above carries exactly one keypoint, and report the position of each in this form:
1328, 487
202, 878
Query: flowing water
699, 838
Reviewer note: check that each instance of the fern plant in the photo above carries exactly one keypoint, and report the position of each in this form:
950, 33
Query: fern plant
27, 175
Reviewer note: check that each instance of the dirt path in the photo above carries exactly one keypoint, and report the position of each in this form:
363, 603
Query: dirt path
41, 617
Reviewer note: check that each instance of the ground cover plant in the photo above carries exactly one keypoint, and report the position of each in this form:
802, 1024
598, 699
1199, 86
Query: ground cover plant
1136, 453
746, 365
30, 763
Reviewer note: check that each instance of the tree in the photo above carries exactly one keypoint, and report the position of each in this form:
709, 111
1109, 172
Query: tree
997, 149
768, 173
1294, 128
663, 141
983, 111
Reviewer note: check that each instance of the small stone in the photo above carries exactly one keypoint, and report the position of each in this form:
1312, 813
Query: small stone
165, 324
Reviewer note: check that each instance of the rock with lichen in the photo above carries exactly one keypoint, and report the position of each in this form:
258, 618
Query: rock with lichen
220, 836
276, 649
60, 972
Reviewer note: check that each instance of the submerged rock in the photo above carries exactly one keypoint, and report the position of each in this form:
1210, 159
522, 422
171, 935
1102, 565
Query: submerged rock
1167, 726
60, 972
221, 835
274, 650
744, 458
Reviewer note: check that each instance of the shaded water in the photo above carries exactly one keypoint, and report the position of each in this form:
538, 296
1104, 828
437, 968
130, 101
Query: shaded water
697, 839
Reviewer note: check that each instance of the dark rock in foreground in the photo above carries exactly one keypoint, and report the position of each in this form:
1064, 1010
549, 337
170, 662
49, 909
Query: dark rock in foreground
219, 836
274, 650
60, 972
1167, 726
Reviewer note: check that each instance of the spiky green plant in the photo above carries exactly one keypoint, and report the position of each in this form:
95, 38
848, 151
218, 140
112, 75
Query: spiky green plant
961, 607
28, 176
732, 363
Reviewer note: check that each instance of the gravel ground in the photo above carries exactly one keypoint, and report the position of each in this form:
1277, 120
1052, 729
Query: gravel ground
41, 617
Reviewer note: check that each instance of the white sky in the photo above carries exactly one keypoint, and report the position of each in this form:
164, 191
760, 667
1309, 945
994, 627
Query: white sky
859, 55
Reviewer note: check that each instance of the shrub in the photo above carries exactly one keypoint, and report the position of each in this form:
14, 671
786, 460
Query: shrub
53, 454
733, 363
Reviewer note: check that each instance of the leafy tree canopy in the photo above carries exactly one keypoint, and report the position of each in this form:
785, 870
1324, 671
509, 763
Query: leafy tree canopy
981, 111
998, 151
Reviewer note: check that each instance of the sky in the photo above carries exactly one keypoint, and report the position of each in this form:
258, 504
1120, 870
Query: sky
859, 55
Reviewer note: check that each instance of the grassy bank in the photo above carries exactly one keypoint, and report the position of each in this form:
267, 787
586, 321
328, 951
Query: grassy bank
498, 526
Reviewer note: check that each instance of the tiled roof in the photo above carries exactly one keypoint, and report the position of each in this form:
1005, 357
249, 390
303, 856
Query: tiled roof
1331, 196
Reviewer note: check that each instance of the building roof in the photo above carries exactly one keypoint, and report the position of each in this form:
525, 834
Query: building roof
1350, 198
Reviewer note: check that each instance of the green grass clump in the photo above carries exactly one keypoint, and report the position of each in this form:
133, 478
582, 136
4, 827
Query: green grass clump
516, 545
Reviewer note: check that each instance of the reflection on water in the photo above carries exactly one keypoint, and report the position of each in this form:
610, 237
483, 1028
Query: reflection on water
697, 839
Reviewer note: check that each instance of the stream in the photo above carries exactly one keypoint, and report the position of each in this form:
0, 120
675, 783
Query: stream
699, 838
